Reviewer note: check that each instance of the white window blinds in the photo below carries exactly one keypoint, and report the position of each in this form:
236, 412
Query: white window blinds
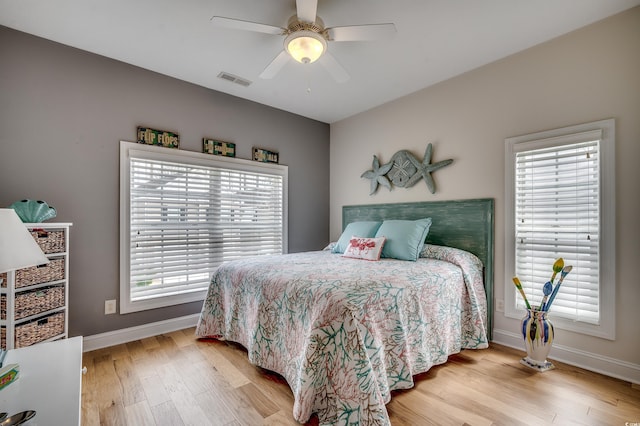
187, 217
557, 214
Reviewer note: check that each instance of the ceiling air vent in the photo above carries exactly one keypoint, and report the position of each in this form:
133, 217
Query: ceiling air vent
234, 79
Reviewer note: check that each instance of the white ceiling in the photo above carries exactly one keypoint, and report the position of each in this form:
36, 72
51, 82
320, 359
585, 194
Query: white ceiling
435, 40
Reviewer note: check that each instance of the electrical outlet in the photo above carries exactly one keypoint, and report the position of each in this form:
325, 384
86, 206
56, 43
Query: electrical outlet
499, 305
109, 307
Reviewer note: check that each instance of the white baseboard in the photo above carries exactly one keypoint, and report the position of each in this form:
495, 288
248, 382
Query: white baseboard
608, 366
116, 337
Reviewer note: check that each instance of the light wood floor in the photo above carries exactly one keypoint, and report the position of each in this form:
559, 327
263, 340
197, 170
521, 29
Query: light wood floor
174, 379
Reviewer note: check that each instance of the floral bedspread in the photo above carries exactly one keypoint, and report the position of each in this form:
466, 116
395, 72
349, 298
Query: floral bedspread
345, 332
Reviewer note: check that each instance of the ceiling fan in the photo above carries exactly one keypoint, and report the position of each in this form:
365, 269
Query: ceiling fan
306, 38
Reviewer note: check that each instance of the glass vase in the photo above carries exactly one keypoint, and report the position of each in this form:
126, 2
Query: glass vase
537, 331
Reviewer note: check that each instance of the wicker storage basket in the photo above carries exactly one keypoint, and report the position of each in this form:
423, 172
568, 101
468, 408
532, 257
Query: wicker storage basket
3, 280
39, 329
34, 302
52, 271
49, 241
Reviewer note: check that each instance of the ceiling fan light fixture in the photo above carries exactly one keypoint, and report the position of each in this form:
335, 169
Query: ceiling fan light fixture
305, 46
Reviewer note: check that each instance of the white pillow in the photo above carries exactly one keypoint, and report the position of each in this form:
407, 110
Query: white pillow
364, 248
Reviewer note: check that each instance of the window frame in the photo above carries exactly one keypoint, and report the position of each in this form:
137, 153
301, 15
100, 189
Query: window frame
129, 149
607, 283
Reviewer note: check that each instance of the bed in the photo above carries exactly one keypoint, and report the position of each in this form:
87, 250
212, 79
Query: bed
345, 332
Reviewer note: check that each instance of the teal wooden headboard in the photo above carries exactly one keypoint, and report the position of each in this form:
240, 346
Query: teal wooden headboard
464, 224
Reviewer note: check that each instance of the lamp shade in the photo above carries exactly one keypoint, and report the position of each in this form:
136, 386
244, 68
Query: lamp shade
18, 249
305, 46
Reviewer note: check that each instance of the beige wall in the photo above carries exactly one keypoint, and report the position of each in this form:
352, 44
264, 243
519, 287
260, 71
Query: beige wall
588, 75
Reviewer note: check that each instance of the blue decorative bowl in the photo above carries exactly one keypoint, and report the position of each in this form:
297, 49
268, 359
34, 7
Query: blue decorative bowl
33, 211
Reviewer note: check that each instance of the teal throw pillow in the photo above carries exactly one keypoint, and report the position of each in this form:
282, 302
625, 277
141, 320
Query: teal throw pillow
405, 238
357, 229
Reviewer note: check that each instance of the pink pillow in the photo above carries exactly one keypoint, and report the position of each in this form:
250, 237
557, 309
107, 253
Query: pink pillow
364, 248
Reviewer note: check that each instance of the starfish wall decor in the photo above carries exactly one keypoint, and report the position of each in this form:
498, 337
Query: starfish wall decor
404, 170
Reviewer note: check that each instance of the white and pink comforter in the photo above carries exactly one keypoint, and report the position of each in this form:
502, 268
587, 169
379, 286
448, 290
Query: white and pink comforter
345, 332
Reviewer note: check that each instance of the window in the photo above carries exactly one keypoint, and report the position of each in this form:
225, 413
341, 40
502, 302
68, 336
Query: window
182, 214
560, 202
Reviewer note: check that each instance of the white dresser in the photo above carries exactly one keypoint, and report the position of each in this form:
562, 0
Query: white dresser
34, 301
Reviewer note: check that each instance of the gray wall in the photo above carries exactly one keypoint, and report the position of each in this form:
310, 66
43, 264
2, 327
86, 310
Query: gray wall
63, 112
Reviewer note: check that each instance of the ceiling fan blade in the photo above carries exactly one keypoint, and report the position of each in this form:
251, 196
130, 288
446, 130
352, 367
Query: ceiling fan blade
238, 24
275, 66
362, 32
330, 63
306, 10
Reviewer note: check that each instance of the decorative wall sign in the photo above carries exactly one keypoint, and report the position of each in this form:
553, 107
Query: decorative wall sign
216, 147
158, 137
264, 155
404, 170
